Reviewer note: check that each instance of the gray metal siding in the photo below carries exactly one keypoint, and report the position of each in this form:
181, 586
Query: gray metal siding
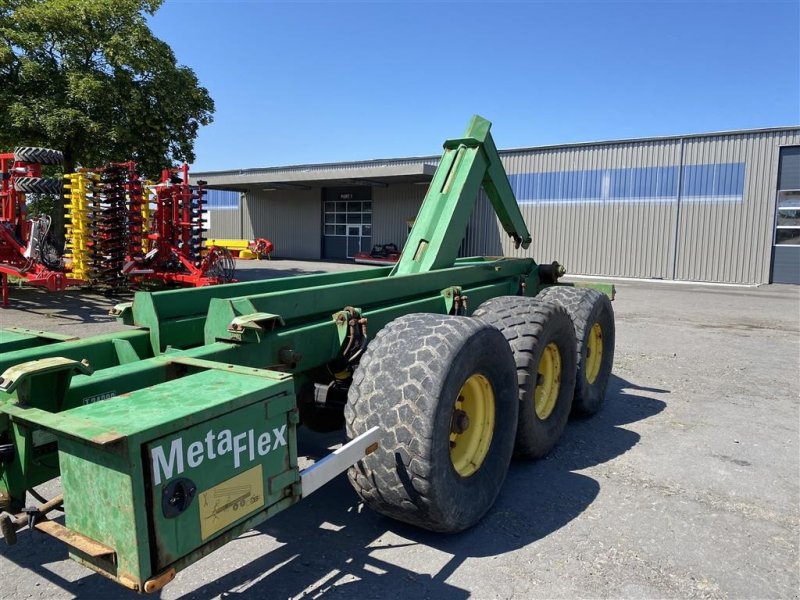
731, 241
717, 240
483, 235
619, 238
392, 206
225, 224
291, 220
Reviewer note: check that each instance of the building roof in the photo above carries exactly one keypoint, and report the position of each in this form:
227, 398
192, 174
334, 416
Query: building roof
382, 171
379, 172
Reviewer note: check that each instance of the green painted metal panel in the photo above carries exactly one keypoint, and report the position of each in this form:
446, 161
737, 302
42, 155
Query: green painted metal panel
120, 455
104, 500
176, 317
18, 338
98, 350
237, 456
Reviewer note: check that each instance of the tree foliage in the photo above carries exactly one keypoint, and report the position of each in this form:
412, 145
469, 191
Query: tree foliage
88, 77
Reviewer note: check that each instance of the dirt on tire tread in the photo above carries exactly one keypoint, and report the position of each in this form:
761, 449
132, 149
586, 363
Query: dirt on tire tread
392, 389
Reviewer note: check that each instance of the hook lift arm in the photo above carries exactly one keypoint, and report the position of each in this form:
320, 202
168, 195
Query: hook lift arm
467, 164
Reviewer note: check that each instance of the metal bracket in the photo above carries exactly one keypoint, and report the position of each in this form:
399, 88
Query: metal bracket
259, 321
342, 320
123, 312
19, 376
453, 300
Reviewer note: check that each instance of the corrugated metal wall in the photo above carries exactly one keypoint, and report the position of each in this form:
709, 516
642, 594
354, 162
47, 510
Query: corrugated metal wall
731, 241
392, 206
723, 232
699, 208
226, 223
292, 220
626, 237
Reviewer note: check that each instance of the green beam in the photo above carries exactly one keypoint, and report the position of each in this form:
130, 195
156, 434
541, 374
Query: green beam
467, 164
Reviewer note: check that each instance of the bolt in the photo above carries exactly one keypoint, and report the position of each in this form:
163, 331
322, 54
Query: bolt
460, 422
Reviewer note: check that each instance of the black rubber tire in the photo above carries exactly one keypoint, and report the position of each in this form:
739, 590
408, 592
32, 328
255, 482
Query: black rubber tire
37, 185
407, 384
587, 307
529, 326
43, 156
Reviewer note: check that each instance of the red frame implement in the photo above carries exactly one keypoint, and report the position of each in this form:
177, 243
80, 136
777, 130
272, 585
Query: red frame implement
175, 238
15, 231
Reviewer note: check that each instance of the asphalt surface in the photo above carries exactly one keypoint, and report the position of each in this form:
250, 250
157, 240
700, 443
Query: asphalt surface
685, 485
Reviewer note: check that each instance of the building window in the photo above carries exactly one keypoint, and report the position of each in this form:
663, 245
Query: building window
715, 182
787, 223
340, 214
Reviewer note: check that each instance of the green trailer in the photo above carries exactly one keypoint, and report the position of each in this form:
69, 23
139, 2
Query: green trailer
175, 436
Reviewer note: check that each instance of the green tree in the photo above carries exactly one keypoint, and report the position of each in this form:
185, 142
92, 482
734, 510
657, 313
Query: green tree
88, 77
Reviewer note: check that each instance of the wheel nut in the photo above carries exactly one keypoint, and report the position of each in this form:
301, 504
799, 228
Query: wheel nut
460, 422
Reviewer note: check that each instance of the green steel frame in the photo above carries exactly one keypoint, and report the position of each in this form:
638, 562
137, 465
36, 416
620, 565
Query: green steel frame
173, 437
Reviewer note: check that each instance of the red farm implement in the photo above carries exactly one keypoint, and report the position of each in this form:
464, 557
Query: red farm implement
26, 248
125, 232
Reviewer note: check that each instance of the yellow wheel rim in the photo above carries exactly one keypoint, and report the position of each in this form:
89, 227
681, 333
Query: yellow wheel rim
594, 353
472, 425
548, 382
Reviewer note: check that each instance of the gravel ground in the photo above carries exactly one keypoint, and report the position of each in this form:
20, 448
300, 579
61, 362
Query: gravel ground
686, 484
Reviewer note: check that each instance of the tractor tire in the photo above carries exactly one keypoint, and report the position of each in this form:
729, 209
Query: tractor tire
37, 185
442, 390
542, 340
43, 156
593, 318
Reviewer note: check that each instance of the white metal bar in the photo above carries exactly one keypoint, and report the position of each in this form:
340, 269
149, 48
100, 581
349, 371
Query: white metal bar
338, 461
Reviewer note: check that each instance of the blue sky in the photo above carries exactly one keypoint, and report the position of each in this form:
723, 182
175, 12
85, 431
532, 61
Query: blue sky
305, 82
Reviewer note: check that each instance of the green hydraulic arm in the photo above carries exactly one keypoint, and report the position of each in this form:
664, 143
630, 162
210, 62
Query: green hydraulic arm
467, 164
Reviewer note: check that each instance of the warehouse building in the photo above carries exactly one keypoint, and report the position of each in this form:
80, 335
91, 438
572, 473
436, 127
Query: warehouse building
716, 207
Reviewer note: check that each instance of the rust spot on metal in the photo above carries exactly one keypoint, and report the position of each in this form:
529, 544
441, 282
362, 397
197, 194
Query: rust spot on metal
159, 581
129, 582
77, 540
163, 554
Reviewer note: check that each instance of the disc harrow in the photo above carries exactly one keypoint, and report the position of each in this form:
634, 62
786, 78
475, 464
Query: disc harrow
124, 231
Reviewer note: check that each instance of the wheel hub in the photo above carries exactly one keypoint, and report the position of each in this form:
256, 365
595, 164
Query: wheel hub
472, 425
460, 421
594, 353
548, 382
